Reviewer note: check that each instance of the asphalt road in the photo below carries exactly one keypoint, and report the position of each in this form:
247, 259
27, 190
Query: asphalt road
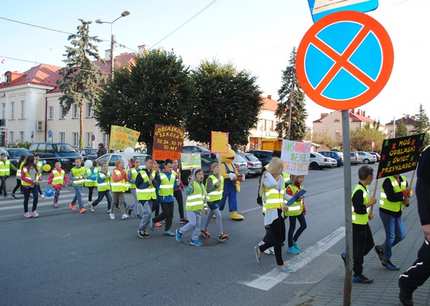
63, 258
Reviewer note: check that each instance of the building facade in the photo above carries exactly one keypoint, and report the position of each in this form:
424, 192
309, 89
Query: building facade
266, 124
409, 121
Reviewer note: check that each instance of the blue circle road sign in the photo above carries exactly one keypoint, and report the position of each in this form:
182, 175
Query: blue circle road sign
344, 60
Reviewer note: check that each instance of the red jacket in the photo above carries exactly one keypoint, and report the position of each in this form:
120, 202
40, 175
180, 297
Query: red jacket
57, 187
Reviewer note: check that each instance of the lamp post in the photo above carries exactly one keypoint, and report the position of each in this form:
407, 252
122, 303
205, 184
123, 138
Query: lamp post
112, 39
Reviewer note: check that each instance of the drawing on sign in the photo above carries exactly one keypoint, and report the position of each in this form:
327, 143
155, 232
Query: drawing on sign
321, 8
344, 60
191, 161
399, 155
296, 156
122, 137
168, 142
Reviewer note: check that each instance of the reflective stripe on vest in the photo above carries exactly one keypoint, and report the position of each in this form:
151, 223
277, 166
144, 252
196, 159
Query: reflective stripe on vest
217, 194
133, 176
105, 186
5, 168
25, 174
195, 201
361, 219
58, 178
89, 182
296, 209
273, 198
166, 186
393, 206
78, 175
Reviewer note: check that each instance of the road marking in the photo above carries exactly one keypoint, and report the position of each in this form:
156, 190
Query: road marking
251, 209
274, 277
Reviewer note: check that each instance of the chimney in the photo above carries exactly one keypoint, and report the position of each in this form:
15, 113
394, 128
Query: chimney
269, 97
141, 49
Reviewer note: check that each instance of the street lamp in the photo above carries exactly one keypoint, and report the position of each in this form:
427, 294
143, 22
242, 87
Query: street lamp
112, 38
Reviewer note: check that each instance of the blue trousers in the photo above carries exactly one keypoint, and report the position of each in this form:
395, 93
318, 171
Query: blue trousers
78, 196
230, 193
394, 232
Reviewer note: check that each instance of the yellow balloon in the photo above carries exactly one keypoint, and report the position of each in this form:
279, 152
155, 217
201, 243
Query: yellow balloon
46, 167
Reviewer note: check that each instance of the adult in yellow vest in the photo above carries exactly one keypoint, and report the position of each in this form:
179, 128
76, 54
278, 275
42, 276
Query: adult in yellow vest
194, 205
165, 190
119, 187
232, 179
179, 195
4, 173
214, 188
145, 190
78, 174
393, 198
29, 181
103, 189
273, 197
361, 233
18, 175
57, 179
91, 180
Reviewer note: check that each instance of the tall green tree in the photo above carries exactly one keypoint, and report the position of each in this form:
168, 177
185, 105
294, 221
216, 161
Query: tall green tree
155, 90
366, 139
226, 100
423, 124
80, 80
401, 129
291, 111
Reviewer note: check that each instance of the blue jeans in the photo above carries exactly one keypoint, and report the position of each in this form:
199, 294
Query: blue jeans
230, 193
78, 196
394, 232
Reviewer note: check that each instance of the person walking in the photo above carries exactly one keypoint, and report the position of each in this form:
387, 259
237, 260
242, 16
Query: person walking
101, 150
165, 188
394, 198
132, 173
179, 195
156, 203
29, 178
18, 175
419, 272
296, 212
273, 197
91, 180
103, 190
78, 174
194, 205
4, 173
57, 179
118, 187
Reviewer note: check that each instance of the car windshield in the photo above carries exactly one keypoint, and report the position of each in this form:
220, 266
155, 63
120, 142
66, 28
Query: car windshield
17, 152
140, 158
65, 148
316, 154
251, 157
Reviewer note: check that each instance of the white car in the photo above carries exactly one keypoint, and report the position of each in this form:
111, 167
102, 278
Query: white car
318, 161
365, 158
111, 158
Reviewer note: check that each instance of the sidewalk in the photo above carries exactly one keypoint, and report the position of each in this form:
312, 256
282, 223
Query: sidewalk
384, 291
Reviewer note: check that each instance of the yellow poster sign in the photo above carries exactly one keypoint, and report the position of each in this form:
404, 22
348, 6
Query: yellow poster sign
219, 142
122, 137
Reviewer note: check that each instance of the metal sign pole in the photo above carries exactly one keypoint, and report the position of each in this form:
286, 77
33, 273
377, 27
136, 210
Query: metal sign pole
347, 289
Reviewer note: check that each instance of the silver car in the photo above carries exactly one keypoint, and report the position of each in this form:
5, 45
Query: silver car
255, 167
241, 164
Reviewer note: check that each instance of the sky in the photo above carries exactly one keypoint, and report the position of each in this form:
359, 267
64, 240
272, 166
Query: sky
254, 35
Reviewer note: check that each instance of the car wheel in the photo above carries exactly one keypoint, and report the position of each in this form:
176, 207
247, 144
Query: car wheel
366, 161
314, 166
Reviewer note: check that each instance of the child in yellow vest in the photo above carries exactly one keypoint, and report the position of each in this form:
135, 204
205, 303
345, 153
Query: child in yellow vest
57, 179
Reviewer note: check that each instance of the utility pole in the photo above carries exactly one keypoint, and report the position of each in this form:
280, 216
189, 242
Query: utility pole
289, 117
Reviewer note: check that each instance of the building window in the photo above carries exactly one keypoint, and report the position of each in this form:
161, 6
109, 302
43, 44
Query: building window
62, 137
12, 111
51, 113
22, 110
105, 139
89, 139
3, 110
75, 111
89, 110
11, 138
75, 139
61, 112
21, 137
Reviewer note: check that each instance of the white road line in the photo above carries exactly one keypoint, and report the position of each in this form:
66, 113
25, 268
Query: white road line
19, 205
251, 209
274, 277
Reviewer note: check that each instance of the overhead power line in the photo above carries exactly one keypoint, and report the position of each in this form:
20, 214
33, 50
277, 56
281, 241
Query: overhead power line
184, 23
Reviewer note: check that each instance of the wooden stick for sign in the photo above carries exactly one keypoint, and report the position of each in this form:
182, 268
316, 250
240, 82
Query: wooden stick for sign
373, 196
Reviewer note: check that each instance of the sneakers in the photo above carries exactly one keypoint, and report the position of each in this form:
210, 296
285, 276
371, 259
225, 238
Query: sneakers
157, 224
196, 243
178, 235
82, 210
205, 234
92, 208
222, 237
361, 279
124, 217
169, 234
28, 215
391, 267
380, 252
257, 253
292, 250
112, 216
72, 206
297, 247
140, 234
35, 214
270, 251
405, 298
284, 268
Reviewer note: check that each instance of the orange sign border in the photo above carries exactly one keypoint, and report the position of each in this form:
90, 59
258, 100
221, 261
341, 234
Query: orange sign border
387, 60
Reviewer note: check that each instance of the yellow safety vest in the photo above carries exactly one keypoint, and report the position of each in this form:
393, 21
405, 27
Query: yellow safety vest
273, 198
145, 194
5, 167
58, 178
217, 194
78, 175
166, 185
393, 206
196, 200
105, 185
286, 176
120, 186
25, 174
361, 219
133, 175
296, 209
19, 170
89, 182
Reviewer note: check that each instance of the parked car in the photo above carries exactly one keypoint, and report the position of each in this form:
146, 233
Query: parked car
377, 155
197, 149
255, 167
354, 158
365, 158
264, 156
89, 154
319, 161
53, 152
14, 154
338, 156
111, 158
241, 164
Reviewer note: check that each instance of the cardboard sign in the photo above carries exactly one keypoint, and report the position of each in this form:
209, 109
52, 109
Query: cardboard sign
191, 161
296, 156
399, 155
168, 142
321, 8
219, 142
122, 137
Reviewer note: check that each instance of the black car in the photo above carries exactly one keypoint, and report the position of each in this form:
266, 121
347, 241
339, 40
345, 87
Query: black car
53, 152
89, 154
264, 156
338, 156
16, 153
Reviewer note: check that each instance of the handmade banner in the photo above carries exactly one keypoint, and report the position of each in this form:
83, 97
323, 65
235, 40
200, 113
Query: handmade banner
191, 161
399, 155
219, 142
168, 142
296, 156
122, 137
